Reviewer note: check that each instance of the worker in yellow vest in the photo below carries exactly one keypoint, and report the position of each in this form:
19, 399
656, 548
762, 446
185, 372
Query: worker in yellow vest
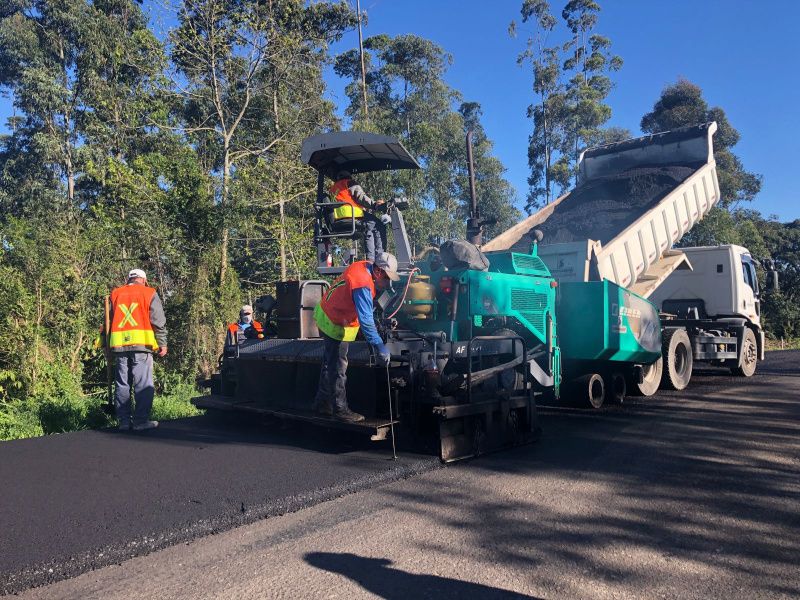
345, 189
345, 308
138, 329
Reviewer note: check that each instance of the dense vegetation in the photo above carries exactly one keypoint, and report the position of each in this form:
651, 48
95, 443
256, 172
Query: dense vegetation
179, 153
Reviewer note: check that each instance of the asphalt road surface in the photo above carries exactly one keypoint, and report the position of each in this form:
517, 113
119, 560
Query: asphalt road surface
688, 495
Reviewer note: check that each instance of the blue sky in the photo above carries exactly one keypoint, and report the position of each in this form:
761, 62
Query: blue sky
741, 53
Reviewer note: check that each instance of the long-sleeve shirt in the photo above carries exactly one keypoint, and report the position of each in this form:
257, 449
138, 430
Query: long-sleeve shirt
362, 298
158, 320
360, 196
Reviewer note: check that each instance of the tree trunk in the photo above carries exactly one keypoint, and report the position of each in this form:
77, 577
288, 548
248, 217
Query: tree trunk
226, 182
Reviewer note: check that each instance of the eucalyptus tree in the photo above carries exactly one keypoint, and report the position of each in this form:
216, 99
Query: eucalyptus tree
588, 64
409, 99
548, 113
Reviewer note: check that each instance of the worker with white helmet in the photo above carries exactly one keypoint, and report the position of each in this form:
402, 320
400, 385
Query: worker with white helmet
137, 330
245, 328
345, 308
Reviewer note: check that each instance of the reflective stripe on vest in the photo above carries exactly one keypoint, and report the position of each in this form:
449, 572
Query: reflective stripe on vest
331, 329
340, 193
336, 314
130, 319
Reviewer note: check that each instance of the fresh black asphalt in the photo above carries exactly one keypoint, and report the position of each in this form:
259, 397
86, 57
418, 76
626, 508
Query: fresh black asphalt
78, 501
698, 466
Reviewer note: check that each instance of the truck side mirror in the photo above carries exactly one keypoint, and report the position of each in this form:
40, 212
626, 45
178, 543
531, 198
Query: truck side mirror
772, 281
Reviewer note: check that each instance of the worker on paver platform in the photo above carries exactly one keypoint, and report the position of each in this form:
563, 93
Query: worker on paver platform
138, 329
245, 328
345, 307
345, 189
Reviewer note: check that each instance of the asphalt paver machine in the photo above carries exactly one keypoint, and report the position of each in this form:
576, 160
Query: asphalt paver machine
472, 346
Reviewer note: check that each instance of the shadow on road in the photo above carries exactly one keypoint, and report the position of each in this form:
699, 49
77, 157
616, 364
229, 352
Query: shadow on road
376, 575
707, 477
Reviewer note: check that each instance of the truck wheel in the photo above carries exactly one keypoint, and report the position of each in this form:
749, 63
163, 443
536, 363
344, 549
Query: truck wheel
651, 380
677, 355
588, 390
749, 355
617, 388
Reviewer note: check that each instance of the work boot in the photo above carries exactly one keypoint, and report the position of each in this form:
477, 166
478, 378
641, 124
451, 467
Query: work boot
345, 414
124, 426
322, 407
146, 425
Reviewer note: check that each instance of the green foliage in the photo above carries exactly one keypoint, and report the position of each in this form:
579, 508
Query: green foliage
409, 98
682, 104
180, 156
571, 83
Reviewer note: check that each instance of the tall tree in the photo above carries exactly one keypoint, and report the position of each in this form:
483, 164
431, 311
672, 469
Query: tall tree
549, 112
682, 104
41, 45
409, 99
588, 65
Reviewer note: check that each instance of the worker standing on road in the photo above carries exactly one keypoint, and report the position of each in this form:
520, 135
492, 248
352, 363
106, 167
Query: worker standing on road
346, 190
245, 328
138, 329
344, 307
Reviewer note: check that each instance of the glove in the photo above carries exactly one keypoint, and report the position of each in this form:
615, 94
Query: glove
383, 355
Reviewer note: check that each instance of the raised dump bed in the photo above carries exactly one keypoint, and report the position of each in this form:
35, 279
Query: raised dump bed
634, 200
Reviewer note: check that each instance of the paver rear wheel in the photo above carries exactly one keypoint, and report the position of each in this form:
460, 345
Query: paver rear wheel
676, 351
749, 355
588, 390
651, 380
616, 388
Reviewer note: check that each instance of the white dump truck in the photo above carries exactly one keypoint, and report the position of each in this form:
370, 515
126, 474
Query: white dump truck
634, 201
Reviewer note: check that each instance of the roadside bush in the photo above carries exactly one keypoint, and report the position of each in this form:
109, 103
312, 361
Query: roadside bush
19, 419
173, 393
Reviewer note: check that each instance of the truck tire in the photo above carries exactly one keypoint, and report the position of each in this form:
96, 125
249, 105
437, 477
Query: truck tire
616, 388
748, 357
676, 352
588, 391
651, 380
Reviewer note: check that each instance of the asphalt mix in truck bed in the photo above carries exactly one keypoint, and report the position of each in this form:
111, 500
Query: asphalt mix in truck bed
78, 501
602, 208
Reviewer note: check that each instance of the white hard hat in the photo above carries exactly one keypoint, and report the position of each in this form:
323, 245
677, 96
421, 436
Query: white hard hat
134, 273
246, 310
388, 263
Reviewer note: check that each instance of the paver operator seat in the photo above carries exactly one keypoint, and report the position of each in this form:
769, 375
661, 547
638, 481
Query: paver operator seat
356, 152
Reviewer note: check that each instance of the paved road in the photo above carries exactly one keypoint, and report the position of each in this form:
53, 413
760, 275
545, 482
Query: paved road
78, 501
690, 495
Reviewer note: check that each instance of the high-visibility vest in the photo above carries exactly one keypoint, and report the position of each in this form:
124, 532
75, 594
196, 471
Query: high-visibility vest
336, 314
233, 331
130, 317
340, 192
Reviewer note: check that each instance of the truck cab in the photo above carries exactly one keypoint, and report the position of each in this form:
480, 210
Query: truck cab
721, 283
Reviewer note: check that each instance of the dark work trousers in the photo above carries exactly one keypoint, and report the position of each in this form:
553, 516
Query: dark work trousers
134, 372
333, 376
375, 236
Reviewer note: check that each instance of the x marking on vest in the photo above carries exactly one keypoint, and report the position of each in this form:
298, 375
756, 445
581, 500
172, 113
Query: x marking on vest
128, 312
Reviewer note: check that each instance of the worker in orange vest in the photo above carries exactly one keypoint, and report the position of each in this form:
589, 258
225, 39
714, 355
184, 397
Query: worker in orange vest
345, 307
138, 328
244, 328
346, 190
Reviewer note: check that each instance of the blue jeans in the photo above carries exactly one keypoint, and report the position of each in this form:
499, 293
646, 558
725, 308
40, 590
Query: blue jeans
134, 372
